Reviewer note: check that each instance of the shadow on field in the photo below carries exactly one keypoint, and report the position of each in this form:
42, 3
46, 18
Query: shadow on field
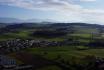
38, 61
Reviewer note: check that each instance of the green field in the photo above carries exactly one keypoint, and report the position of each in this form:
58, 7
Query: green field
73, 54
70, 54
66, 52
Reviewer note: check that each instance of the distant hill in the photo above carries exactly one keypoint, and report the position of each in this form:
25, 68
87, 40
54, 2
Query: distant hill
38, 20
10, 20
3, 25
78, 28
15, 20
56, 25
23, 25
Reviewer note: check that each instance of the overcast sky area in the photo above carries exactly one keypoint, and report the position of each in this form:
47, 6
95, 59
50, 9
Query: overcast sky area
89, 11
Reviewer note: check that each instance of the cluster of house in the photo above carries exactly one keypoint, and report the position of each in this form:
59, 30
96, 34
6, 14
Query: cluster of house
7, 63
99, 63
14, 45
18, 44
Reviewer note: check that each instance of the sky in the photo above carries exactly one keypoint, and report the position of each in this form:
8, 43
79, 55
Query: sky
89, 11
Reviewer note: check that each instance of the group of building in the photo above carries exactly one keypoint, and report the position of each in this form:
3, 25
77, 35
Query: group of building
8, 63
19, 44
15, 45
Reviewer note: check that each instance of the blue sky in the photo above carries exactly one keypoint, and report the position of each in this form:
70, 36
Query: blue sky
91, 11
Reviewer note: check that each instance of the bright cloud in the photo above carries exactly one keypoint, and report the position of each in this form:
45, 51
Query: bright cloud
88, 0
66, 8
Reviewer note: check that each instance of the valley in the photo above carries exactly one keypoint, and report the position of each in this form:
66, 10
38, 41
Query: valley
59, 46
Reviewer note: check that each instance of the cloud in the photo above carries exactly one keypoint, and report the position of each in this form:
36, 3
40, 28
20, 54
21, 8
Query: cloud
39, 4
88, 0
66, 9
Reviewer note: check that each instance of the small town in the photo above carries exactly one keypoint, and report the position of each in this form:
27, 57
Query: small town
16, 45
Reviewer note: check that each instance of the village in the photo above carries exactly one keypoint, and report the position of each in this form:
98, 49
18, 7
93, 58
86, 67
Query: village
19, 44
16, 45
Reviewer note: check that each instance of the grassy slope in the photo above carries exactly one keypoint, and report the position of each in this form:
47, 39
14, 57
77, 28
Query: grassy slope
66, 52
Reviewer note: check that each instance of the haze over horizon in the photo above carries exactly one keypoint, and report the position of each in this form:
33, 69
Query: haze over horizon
89, 11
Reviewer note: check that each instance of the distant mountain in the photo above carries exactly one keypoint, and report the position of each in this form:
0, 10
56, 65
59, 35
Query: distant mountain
44, 21
75, 27
15, 20
23, 25
2, 25
55, 25
10, 20
33, 20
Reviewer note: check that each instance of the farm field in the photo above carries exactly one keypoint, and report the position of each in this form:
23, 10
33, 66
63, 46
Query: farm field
67, 53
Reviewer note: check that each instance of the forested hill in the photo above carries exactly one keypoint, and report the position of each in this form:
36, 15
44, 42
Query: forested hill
74, 26
77, 27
